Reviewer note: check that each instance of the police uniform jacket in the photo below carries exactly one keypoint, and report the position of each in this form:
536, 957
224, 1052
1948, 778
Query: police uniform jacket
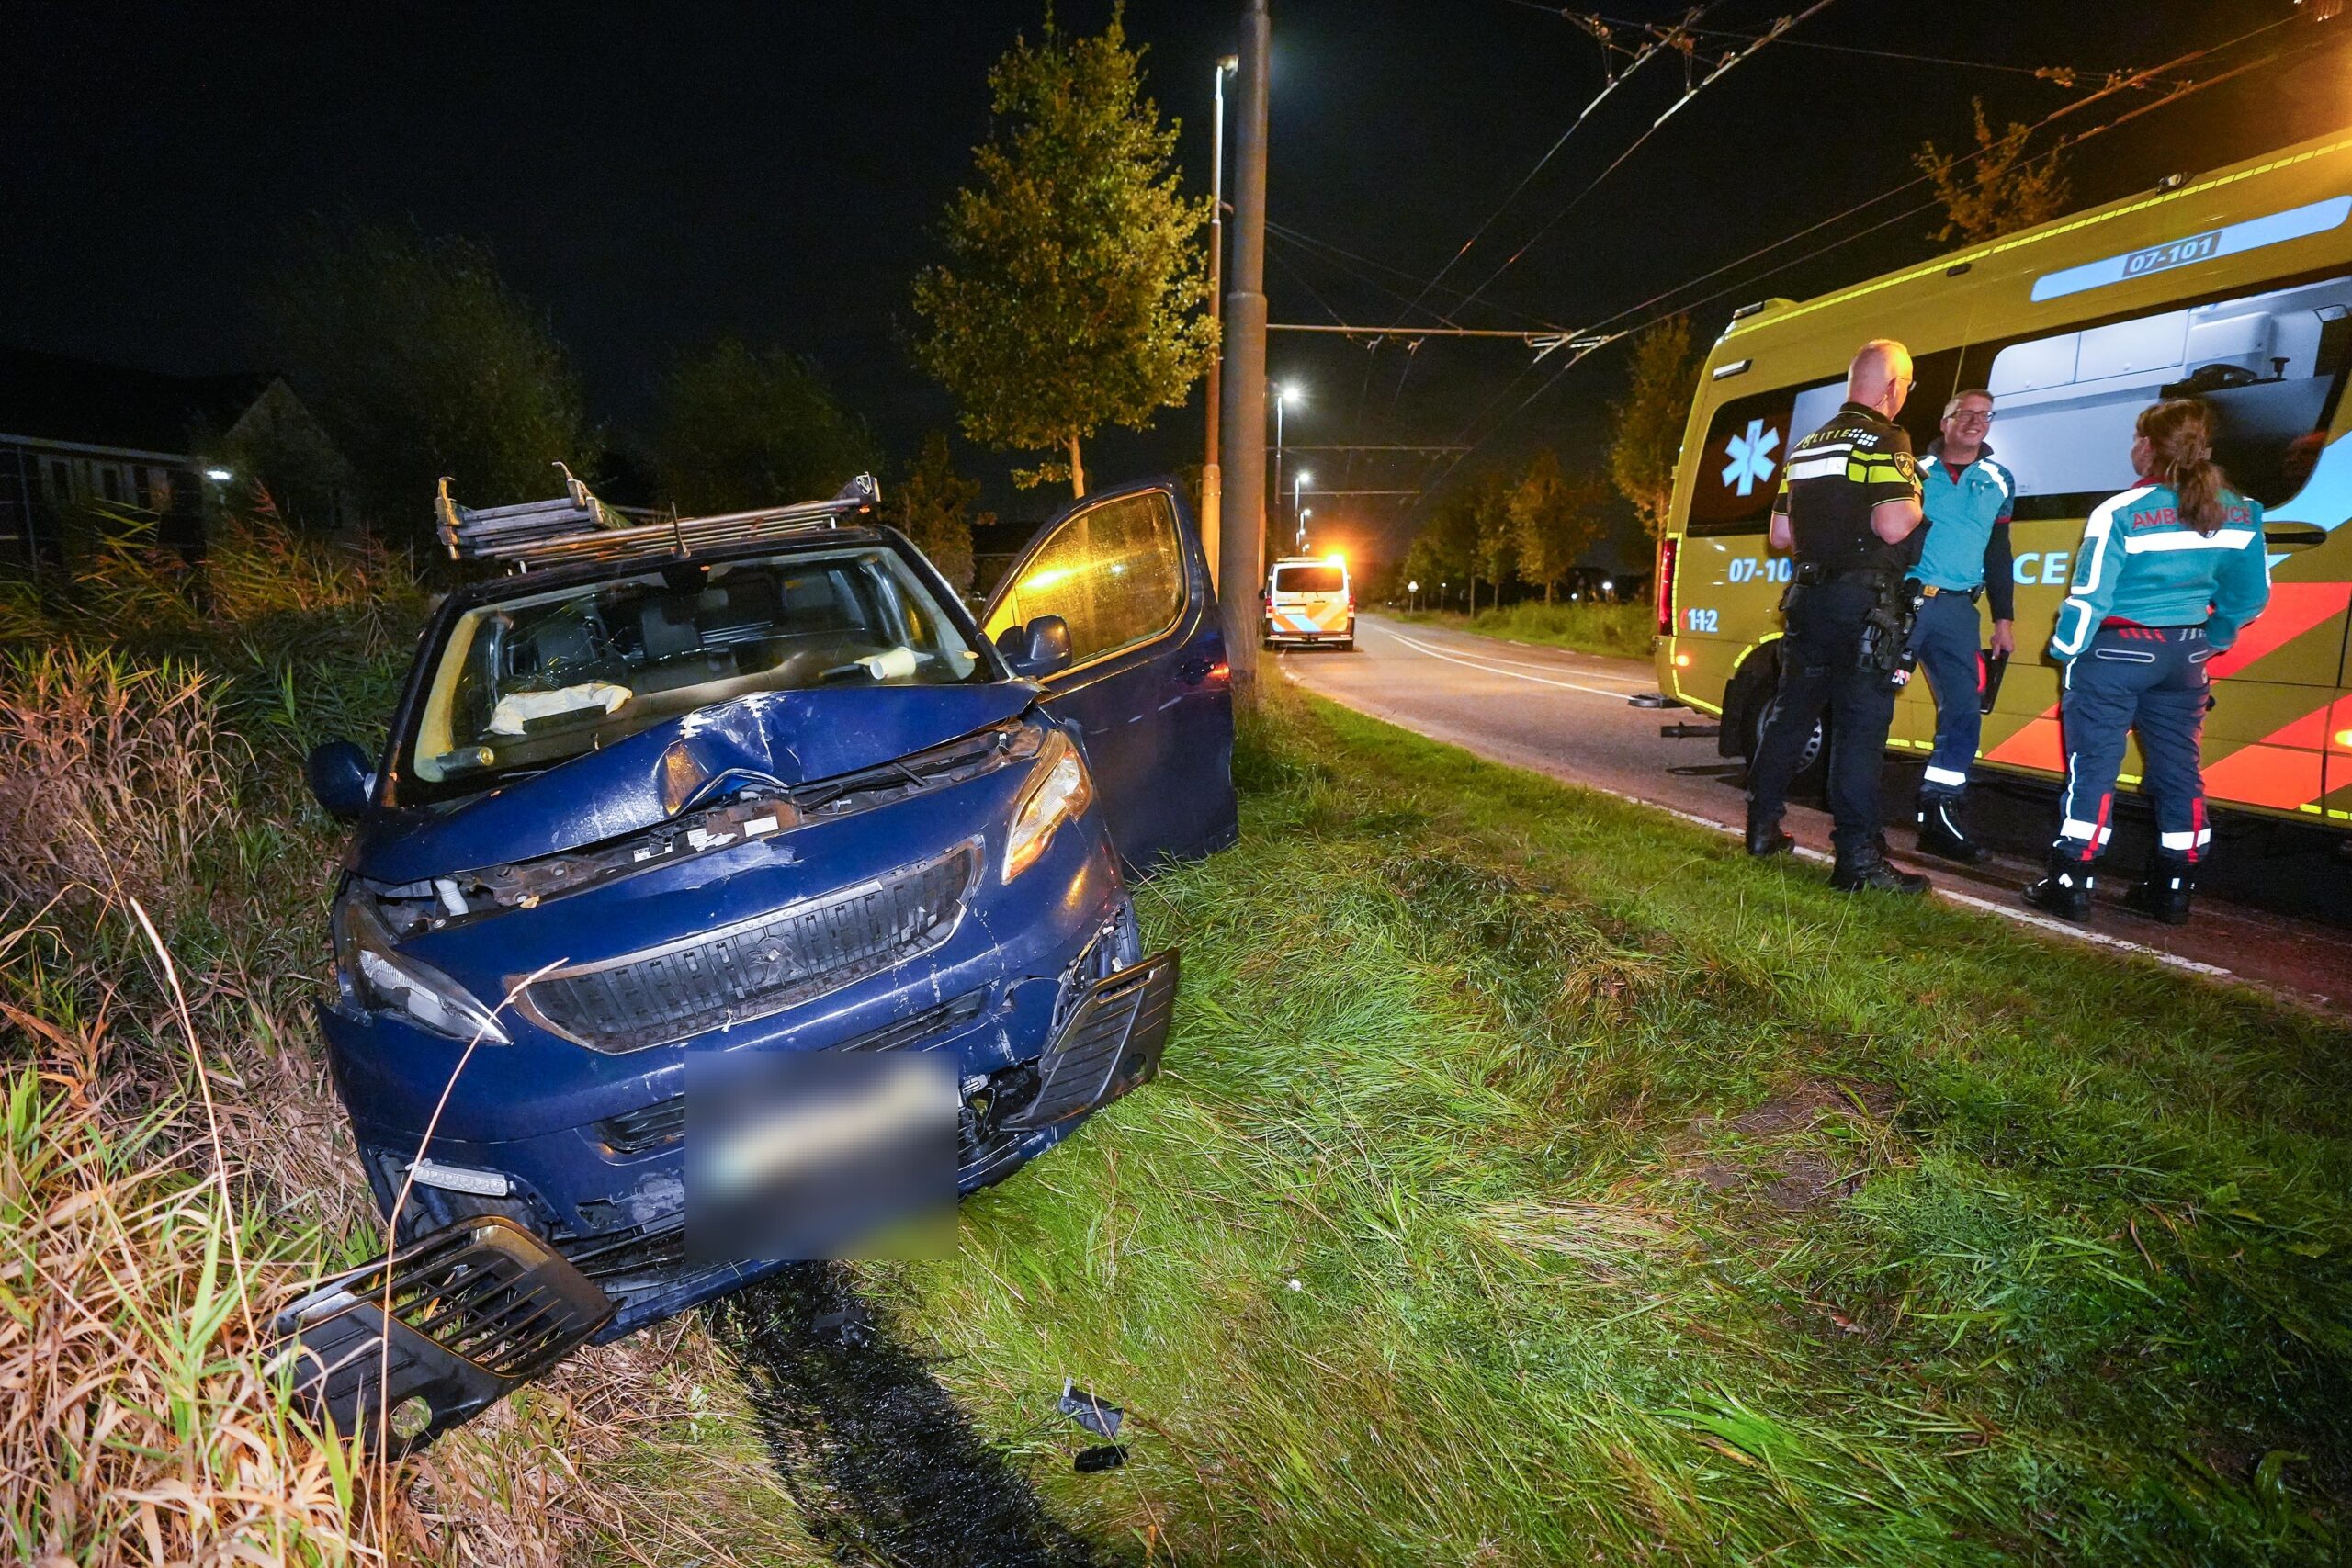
1834, 479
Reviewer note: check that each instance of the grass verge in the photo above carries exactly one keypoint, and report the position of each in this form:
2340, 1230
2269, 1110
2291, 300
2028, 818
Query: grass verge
1618, 631
1534, 1179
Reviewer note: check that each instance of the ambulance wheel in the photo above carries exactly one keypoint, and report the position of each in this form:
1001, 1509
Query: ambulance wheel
1347, 644
1752, 698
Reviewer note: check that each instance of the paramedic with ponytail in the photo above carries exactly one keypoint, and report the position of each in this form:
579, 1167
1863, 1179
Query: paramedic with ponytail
2169, 573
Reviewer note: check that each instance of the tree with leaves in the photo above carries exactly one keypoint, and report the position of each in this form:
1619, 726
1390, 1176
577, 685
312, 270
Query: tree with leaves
419, 361
1553, 521
1997, 190
738, 429
1646, 440
1444, 551
1072, 296
1495, 554
933, 506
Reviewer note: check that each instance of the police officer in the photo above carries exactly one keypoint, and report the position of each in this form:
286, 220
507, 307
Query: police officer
2169, 573
1848, 504
1964, 556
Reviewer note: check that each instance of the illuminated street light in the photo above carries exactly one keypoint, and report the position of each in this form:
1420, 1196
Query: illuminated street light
1283, 396
218, 476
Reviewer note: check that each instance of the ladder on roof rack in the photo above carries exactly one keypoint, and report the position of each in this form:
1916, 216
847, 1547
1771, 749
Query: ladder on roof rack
577, 526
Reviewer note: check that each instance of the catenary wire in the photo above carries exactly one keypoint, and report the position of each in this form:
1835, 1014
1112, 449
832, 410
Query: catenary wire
2181, 91
1778, 29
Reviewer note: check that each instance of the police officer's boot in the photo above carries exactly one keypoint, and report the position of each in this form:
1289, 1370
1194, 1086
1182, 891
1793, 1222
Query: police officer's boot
1765, 839
1940, 832
2163, 893
1866, 869
2065, 889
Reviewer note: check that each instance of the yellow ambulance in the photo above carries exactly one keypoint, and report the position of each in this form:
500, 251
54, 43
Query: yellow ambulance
1309, 600
2235, 286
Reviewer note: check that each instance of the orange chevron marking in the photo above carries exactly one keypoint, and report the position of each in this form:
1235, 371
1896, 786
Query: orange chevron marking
2039, 744
2294, 609
2285, 768
2259, 775
2315, 731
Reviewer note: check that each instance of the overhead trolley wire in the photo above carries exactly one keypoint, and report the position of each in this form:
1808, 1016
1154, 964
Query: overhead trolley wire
2114, 85
1722, 68
1661, 40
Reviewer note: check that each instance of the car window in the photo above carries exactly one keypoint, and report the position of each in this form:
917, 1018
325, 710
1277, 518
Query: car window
2268, 364
524, 684
1115, 572
1310, 580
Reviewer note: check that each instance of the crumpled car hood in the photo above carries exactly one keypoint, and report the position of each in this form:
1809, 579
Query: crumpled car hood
792, 738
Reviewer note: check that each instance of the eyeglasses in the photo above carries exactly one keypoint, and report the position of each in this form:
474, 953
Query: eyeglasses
1972, 416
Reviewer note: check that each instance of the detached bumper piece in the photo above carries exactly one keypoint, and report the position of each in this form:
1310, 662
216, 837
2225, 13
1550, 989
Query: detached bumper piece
1110, 1046
476, 1309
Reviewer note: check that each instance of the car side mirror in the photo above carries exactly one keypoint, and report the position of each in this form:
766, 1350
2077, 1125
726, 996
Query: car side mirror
341, 777
1038, 650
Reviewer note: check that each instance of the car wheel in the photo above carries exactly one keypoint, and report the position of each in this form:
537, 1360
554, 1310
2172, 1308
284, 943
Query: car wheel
1347, 644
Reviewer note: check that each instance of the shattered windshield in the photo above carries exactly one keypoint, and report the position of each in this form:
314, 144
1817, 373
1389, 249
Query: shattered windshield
530, 682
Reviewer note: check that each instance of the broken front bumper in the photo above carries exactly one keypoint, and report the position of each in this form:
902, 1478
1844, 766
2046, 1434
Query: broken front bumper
479, 1307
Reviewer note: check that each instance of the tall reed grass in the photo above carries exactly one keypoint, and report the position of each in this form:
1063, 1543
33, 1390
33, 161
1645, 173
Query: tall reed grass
173, 1164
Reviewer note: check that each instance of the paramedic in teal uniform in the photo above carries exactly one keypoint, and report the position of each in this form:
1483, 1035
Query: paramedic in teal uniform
2169, 572
1967, 497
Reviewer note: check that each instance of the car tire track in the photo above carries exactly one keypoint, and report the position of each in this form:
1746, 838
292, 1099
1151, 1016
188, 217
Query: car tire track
884, 1466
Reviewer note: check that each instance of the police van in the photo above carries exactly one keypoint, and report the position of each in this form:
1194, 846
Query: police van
2233, 287
1309, 600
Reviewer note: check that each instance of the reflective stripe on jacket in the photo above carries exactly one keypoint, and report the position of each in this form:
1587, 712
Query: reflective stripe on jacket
2140, 562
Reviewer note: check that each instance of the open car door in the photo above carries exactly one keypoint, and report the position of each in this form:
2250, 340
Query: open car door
1146, 683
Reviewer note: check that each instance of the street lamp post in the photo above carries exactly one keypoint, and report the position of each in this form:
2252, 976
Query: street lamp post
1413, 595
1281, 398
1304, 512
1297, 488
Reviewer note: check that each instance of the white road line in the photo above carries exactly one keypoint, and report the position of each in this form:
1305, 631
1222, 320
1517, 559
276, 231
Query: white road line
1985, 905
1506, 675
1644, 680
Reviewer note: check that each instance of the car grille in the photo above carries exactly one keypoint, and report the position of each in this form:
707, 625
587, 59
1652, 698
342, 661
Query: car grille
758, 967
664, 1122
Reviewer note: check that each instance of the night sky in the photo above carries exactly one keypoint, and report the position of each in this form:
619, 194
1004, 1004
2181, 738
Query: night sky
658, 177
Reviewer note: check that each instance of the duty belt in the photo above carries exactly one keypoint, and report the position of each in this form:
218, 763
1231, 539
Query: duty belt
1929, 591
1812, 573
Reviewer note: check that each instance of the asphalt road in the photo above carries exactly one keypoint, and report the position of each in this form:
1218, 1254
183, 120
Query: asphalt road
2277, 911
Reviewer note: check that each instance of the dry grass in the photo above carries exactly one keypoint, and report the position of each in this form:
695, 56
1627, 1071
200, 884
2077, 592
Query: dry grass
112, 774
144, 1422
173, 1164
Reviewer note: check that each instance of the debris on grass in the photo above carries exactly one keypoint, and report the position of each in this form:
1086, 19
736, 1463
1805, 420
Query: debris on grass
1098, 1416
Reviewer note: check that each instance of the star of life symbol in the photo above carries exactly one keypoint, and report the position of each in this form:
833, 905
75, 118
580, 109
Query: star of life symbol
1751, 456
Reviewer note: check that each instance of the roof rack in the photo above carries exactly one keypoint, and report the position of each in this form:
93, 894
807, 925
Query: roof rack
576, 527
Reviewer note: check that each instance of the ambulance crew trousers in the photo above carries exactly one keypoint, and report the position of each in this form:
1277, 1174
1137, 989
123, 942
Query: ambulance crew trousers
1820, 670
1945, 641
2151, 679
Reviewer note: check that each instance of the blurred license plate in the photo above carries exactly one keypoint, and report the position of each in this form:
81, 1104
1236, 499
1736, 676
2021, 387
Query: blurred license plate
804, 1155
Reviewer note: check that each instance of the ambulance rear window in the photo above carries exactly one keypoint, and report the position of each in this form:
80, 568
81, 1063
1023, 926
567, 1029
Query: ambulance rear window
1310, 579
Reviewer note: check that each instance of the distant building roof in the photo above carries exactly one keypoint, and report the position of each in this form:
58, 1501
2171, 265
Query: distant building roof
60, 397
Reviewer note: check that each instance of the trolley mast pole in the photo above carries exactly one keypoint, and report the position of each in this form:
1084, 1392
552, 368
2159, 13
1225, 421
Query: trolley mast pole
1242, 509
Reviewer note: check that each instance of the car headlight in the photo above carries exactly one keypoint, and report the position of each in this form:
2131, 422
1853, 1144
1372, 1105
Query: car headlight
377, 977
1058, 789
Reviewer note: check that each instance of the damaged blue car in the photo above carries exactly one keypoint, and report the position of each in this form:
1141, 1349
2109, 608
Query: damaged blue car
753, 782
